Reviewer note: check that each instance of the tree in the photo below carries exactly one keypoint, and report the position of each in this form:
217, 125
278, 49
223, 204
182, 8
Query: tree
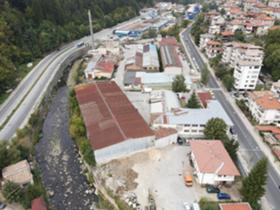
215, 128
205, 75
193, 102
228, 81
12, 192
239, 35
222, 11
253, 186
151, 33
178, 84
232, 147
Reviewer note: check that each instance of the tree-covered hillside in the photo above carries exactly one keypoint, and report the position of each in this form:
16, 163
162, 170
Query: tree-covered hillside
30, 28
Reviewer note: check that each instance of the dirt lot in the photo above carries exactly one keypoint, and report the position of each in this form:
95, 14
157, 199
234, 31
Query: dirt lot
160, 173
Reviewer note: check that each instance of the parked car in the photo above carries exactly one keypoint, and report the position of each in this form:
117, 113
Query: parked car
187, 206
2, 205
223, 196
212, 189
188, 180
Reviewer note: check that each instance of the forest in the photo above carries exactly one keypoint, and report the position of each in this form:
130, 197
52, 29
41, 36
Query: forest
31, 28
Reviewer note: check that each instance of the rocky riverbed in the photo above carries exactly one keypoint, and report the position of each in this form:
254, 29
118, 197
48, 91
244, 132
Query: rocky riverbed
57, 157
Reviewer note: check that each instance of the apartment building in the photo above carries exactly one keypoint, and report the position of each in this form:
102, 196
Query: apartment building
204, 38
246, 59
213, 48
265, 107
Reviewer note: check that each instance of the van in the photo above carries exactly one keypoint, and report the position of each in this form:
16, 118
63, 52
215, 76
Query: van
188, 180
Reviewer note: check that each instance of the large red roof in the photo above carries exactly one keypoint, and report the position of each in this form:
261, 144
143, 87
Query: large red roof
168, 41
109, 116
212, 157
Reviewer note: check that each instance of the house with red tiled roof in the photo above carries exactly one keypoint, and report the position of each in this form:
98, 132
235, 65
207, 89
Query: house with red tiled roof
114, 126
264, 107
38, 204
235, 206
212, 163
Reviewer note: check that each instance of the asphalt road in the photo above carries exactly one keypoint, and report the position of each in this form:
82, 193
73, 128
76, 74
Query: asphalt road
21, 103
246, 140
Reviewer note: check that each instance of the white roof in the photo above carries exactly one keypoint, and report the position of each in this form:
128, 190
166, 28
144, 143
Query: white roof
150, 58
171, 100
199, 116
152, 78
91, 65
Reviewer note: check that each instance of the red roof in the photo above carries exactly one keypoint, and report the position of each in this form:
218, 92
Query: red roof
227, 33
168, 41
109, 116
106, 66
212, 157
235, 206
38, 204
268, 128
204, 97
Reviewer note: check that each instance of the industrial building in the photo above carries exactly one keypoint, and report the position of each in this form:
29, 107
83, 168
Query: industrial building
169, 56
114, 126
190, 123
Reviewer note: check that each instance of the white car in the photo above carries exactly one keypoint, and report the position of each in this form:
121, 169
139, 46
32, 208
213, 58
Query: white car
187, 206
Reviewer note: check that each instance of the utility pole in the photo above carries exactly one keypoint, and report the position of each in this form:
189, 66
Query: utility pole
91, 29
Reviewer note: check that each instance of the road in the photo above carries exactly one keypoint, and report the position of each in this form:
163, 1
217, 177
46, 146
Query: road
246, 140
16, 110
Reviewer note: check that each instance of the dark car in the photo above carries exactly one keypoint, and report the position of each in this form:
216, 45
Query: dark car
2, 205
212, 189
223, 196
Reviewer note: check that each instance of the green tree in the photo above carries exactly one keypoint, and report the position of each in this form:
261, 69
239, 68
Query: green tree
12, 192
178, 84
253, 186
205, 74
228, 81
8, 154
193, 102
239, 35
151, 33
87, 152
215, 128
231, 146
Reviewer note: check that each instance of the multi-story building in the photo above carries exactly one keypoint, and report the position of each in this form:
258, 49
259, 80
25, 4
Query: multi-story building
246, 59
213, 48
274, 3
204, 38
264, 107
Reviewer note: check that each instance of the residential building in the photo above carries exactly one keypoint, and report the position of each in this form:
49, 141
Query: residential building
214, 29
213, 48
100, 66
169, 55
204, 38
114, 127
274, 3
135, 62
227, 36
235, 206
19, 173
275, 88
190, 123
246, 59
264, 107
212, 163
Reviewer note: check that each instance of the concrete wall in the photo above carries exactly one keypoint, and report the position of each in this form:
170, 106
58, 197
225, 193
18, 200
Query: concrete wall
165, 141
127, 147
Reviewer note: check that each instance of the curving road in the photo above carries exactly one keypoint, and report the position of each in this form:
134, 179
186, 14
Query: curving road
16, 110
246, 139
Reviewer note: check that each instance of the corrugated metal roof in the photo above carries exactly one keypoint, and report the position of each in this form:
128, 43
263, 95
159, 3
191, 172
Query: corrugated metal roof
170, 56
199, 116
109, 116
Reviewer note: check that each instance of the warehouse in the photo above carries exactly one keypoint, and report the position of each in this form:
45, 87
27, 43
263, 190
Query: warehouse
169, 55
114, 126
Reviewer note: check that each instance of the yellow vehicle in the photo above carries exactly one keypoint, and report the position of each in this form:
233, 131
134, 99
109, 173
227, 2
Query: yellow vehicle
188, 180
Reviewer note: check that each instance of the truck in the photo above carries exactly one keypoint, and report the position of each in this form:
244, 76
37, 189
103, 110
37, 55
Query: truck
188, 180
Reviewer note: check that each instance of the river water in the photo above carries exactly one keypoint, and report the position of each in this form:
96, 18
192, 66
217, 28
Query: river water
57, 157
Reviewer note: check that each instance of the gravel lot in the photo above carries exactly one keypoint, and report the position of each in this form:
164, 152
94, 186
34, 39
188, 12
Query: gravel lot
158, 172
